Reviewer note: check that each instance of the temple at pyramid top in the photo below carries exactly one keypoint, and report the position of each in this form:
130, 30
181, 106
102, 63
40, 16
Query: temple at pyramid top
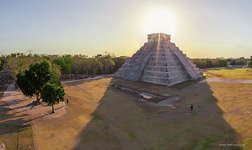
158, 36
159, 61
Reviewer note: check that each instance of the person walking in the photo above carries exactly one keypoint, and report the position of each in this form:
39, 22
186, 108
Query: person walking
191, 107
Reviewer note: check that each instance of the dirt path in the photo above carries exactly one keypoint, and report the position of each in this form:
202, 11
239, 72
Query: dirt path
21, 116
87, 79
21, 105
21, 111
14, 99
227, 80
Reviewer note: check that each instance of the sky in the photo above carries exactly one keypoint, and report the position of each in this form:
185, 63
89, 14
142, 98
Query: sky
201, 28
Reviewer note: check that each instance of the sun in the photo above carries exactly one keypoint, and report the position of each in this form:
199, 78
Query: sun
159, 20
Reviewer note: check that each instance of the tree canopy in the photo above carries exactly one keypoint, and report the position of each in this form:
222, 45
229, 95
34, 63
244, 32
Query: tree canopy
65, 63
218, 62
52, 93
31, 81
250, 64
69, 66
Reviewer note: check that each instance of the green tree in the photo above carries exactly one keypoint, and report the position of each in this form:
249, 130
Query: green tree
94, 66
76, 65
119, 61
1, 62
65, 63
55, 73
32, 80
250, 64
52, 93
108, 63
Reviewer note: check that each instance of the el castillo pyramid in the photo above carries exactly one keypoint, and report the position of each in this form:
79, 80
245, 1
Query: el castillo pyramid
159, 61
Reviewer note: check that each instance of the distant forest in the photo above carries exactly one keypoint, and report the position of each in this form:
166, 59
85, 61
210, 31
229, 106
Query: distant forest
81, 66
67, 66
219, 62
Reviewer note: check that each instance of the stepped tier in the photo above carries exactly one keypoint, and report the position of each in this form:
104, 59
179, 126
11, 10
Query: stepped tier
159, 61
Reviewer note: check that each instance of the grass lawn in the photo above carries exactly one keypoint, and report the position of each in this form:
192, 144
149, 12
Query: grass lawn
102, 117
239, 73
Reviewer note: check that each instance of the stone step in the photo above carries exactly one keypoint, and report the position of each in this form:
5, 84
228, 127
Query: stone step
184, 60
160, 62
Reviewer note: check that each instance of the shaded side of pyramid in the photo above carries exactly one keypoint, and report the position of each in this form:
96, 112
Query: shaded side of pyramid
159, 61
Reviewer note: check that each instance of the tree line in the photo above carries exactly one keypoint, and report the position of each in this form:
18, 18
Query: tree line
39, 75
219, 62
81, 66
65, 66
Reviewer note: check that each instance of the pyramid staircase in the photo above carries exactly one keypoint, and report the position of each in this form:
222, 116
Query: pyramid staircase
159, 61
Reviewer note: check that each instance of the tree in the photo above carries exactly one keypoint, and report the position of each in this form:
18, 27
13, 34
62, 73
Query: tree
1, 63
32, 80
76, 65
250, 64
94, 66
55, 73
52, 93
65, 63
108, 63
119, 61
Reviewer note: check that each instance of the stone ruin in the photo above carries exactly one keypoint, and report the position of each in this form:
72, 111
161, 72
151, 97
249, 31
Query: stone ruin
159, 61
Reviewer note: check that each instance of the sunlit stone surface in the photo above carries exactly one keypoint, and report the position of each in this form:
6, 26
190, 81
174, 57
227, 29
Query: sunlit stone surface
159, 61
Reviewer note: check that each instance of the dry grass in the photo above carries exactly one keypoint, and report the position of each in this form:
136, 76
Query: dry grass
245, 74
101, 117
13, 135
63, 133
235, 101
16, 137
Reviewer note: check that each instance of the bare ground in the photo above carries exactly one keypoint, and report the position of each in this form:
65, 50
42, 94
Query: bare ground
18, 114
101, 117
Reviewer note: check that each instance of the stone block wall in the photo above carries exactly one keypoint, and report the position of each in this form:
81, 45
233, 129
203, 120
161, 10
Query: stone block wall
159, 61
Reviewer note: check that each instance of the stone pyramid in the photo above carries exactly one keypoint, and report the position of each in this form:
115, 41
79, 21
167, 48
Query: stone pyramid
159, 61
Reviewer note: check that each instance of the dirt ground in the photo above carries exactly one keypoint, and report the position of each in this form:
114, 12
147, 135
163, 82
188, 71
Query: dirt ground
99, 116
17, 115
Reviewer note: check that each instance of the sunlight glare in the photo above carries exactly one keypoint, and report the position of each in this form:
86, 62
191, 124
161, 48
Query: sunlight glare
159, 20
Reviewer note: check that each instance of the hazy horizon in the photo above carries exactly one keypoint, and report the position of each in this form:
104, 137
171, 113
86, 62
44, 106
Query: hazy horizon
202, 29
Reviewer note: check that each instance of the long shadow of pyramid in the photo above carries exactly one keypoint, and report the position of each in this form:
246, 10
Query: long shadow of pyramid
159, 61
